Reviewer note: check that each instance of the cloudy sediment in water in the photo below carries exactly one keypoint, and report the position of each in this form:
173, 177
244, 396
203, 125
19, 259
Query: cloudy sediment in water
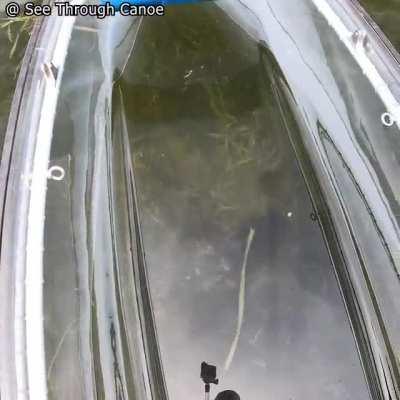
213, 163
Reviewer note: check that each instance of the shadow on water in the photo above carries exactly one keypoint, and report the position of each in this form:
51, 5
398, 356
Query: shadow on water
212, 161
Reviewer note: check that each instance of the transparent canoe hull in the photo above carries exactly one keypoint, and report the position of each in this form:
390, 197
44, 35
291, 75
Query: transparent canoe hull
218, 185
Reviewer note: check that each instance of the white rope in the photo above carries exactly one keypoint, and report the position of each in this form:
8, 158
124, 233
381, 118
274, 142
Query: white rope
242, 293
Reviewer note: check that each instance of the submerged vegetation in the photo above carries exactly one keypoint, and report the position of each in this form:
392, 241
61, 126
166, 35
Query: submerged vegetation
14, 35
17, 30
386, 13
236, 268
206, 133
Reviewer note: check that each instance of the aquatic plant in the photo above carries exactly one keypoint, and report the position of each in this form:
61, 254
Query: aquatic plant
14, 35
17, 30
202, 118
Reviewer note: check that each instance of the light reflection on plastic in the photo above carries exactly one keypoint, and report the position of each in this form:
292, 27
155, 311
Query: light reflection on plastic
387, 119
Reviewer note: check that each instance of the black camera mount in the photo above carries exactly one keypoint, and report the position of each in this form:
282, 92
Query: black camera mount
209, 376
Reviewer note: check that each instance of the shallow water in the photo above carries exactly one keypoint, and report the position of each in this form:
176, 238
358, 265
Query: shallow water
386, 13
212, 161
10, 59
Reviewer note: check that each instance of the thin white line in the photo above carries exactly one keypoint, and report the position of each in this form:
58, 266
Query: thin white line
242, 292
35, 351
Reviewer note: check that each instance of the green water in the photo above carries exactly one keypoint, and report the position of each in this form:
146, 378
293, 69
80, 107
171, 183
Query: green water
13, 40
386, 13
213, 160
212, 163
198, 98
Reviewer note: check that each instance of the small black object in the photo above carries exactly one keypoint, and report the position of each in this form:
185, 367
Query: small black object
227, 395
54, 70
209, 373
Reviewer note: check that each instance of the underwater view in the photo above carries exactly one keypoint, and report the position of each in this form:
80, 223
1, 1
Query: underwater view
14, 35
239, 273
220, 186
386, 14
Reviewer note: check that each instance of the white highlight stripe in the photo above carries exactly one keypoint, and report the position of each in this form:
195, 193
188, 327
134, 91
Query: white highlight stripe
242, 293
360, 55
35, 351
